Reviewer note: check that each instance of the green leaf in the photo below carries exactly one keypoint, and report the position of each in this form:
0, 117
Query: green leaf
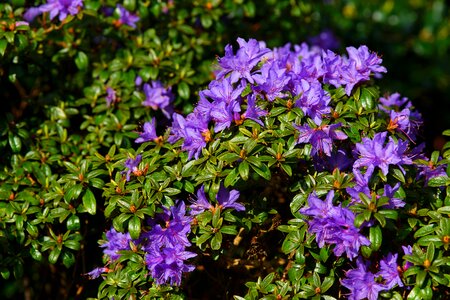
206, 20
5, 273
430, 251
375, 237
366, 98
89, 202
183, 90
262, 171
3, 45
18, 269
216, 223
73, 223
68, 259
81, 60
53, 256
72, 244
15, 143
231, 178
244, 170
228, 229
425, 230
134, 227
203, 238
439, 181
216, 241
36, 254
444, 210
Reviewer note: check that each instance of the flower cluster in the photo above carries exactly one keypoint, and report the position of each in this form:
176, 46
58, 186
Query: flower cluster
61, 8
269, 74
363, 284
360, 168
225, 199
166, 245
334, 225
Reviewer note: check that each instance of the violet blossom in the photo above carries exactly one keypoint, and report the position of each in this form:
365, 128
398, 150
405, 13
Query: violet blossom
227, 199
313, 100
111, 96
333, 225
193, 130
127, 18
149, 133
116, 241
363, 284
167, 265
132, 165
176, 226
240, 65
321, 138
97, 272
374, 153
158, 97
61, 8
253, 112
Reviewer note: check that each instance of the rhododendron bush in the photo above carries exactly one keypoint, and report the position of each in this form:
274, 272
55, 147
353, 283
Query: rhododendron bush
293, 176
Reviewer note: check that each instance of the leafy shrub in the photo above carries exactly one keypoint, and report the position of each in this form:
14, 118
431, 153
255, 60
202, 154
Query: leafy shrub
292, 177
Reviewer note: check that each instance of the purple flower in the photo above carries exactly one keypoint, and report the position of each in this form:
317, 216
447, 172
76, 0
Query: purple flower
405, 122
223, 114
361, 282
253, 112
333, 225
338, 160
166, 245
408, 251
313, 100
127, 18
227, 199
32, 13
149, 133
193, 130
158, 97
138, 81
431, 170
97, 272
201, 204
349, 72
111, 96
389, 272
394, 101
223, 91
132, 165
175, 228
240, 65
389, 192
61, 8
117, 241
167, 265
272, 82
373, 153
365, 61
361, 186
321, 138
